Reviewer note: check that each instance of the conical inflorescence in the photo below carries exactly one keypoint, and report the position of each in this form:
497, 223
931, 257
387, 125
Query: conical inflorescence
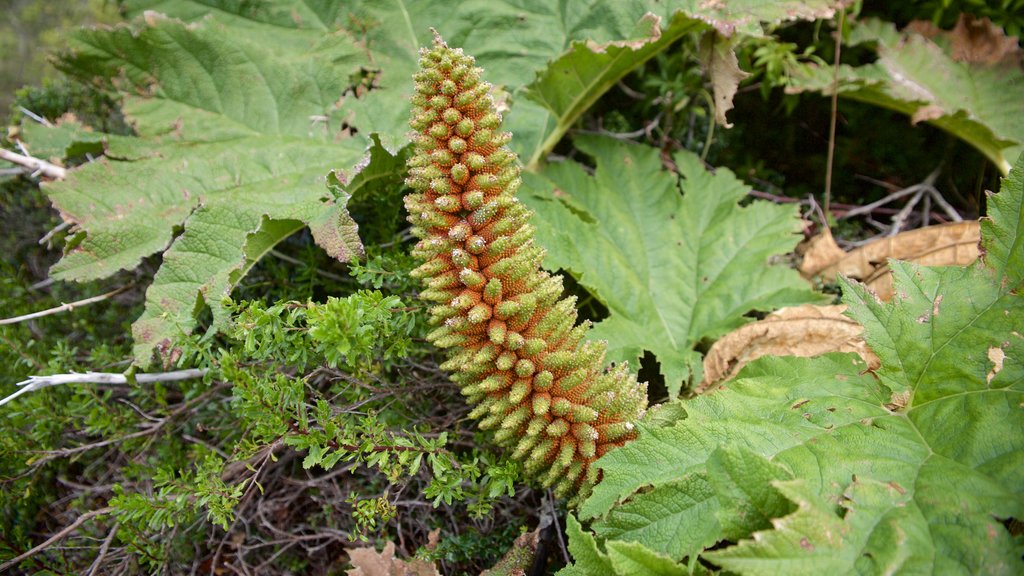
511, 337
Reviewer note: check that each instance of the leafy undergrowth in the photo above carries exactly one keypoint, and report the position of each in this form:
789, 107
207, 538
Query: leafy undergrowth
811, 466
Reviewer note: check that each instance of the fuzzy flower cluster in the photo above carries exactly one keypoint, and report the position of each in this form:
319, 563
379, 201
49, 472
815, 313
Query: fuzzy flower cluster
513, 343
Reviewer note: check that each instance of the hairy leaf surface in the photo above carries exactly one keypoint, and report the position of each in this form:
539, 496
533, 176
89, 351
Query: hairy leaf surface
672, 269
981, 104
554, 60
923, 462
232, 151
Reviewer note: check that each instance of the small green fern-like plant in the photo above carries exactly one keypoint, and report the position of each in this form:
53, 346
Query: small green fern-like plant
512, 339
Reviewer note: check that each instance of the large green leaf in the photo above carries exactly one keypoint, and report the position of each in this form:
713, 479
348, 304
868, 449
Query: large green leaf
769, 412
672, 269
981, 104
231, 157
875, 535
555, 59
511, 39
571, 84
1003, 231
662, 520
923, 461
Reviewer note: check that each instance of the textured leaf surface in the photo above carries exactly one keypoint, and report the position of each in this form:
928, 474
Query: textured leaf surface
1003, 230
587, 557
805, 330
983, 105
754, 412
65, 139
569, 85
671, 269
230, 152
743, 483
570, 53
675, 518
924, 461
635, 559
511, 39
874, 536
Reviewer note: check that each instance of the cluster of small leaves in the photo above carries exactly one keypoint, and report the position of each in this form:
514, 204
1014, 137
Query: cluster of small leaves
181, 494
488, 476
349, 332
287, 409
485, 548
367, 513
356, 333
922, 456
386, 269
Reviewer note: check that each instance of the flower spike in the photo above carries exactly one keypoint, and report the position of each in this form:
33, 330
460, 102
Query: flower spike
509, 332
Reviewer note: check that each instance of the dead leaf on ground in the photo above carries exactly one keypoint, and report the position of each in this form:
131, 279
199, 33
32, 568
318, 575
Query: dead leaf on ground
950, 244
956, 252
805, 330
368, 562
820, 252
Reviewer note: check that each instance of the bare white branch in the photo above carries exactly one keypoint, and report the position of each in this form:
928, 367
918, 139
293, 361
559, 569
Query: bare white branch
38, 382
36, 117
62, 308
35, 164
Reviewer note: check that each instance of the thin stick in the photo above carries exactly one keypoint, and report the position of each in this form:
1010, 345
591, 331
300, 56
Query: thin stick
104, 549
67, 530
835, 113
558, 528
152, 429
38, 166
38, 382
36, 117
298, 262
59, 227
63, 307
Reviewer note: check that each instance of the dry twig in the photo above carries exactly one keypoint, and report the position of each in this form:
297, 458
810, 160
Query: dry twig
37, 382
67, 307
67, 530
36, 165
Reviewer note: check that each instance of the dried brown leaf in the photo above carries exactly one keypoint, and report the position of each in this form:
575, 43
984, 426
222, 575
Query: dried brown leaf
719, 60
979, 40
952, 251
942, 245
368, 562
819, 253
805, 330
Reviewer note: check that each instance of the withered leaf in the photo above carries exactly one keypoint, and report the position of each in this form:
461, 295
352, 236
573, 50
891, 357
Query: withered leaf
368, 562
955, 243
805, 330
